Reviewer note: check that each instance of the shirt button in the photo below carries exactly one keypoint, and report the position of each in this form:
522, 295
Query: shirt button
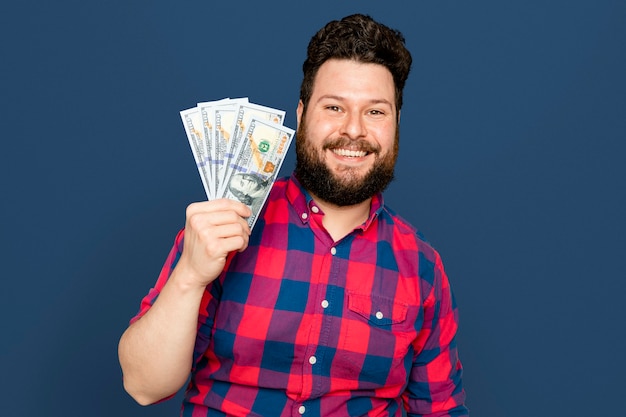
302, 409
333, 250
304, 216
379, 315
324, 303
314, 209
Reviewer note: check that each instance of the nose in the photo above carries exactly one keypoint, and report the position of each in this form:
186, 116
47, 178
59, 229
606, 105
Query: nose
353, 126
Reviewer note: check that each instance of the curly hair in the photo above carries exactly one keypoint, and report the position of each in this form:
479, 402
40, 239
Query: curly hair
357, 37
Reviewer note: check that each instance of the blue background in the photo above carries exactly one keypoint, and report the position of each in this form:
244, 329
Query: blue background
511, 163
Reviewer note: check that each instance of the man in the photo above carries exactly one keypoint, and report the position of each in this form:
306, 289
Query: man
334, 305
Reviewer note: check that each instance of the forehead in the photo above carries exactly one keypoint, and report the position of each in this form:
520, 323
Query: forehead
353, 80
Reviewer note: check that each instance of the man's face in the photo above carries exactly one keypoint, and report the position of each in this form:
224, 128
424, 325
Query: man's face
347, 140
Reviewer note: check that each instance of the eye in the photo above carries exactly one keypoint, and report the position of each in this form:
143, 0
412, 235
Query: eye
376, 112
333, 108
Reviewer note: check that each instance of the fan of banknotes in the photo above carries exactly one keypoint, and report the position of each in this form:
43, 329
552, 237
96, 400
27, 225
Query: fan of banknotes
238, 148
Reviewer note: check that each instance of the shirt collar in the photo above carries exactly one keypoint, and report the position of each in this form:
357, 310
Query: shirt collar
305, 206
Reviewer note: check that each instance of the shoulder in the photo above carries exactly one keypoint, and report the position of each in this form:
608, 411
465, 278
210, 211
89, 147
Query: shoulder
405, 231
412, 250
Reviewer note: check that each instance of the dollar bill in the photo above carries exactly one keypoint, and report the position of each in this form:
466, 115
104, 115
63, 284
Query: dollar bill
245, 113
192, 121
254, 168
224, 116
238, 147
208, 120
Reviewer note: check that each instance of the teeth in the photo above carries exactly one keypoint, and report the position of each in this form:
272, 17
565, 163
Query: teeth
352, 154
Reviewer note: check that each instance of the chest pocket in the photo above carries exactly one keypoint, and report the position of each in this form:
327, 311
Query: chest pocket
375, 340
378, 311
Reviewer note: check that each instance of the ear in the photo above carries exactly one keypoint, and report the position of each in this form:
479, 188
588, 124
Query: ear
399, 112
299, 111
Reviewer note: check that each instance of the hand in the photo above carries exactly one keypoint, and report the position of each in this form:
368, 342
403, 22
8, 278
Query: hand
213, 229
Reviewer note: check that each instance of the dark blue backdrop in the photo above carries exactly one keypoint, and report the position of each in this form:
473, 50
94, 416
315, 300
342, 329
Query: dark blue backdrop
511, 164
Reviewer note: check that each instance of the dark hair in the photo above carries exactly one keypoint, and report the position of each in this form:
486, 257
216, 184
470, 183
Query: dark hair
357, 37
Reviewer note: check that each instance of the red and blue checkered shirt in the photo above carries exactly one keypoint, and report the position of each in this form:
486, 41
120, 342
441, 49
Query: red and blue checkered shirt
300, 325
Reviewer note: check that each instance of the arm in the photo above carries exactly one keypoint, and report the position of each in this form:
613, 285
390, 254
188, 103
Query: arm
155, 352
435, 386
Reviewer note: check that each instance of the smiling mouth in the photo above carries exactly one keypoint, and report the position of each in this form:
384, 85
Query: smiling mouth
347, 148
349, 153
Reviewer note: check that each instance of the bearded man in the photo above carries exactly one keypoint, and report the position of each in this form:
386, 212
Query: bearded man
333, 305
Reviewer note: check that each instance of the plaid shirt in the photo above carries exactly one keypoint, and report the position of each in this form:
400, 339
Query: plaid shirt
300, 325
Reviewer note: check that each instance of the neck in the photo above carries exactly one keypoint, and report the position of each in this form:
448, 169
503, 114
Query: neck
341, 220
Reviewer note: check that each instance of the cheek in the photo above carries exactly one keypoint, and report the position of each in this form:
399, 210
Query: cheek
321, 127
324, 133
386, 136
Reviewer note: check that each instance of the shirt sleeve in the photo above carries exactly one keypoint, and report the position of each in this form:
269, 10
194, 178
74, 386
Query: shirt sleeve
435, 386
208, 304
166, 271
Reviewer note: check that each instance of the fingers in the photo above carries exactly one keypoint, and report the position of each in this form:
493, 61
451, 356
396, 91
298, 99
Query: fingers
213, 229
222, 204
207, 217
220, 239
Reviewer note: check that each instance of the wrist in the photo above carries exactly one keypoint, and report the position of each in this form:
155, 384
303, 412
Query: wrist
186, 279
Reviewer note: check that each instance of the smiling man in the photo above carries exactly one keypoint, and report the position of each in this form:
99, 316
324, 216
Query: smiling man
333, 305
349, 155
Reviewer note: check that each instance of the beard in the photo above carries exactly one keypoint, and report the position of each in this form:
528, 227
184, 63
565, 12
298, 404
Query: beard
346, 187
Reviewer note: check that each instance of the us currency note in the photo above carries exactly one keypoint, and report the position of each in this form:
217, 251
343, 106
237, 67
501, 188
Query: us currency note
224, 119
208, 120
192, 121
245, 113
256, 165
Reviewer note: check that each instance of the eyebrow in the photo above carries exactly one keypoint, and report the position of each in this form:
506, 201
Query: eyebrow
340, 98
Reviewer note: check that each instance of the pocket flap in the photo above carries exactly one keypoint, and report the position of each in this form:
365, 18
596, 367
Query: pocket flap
377, 310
